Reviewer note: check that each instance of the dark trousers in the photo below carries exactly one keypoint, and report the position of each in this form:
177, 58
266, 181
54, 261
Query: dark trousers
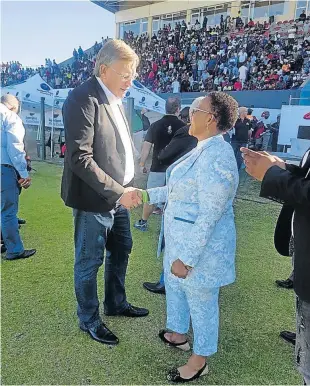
236, 145
10, 191
94, 234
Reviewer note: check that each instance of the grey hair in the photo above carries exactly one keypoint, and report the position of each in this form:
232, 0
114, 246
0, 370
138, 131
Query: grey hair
195, 104
112, 51
11, 102
173, 105
243, 110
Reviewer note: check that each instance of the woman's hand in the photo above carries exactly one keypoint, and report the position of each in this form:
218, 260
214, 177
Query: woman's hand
179, 269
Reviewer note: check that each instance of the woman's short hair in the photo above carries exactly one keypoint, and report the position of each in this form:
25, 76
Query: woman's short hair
225, 109
112, 51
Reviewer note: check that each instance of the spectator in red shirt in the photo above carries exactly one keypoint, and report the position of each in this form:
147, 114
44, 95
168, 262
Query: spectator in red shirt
251, 23
238, 85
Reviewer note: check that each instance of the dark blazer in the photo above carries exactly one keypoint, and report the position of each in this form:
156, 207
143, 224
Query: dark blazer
94, 167
292, 188
180, 144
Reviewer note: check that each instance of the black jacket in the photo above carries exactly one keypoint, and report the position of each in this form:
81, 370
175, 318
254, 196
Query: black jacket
180, 144
94, 167
292, 188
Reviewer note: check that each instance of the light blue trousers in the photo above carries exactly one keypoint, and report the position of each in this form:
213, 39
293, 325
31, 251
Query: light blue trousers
200, 305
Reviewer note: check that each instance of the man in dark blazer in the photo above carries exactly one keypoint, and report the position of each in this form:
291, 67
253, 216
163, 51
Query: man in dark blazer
290, 185
98, 172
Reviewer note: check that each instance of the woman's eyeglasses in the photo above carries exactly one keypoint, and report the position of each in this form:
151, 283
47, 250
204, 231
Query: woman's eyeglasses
203, 111
124, 77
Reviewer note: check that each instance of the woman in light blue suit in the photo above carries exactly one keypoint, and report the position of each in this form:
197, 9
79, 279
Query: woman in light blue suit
199, 231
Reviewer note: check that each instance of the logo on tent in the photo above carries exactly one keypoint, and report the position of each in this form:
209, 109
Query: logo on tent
27, 95
142, 100
45, 87
57, 92
307, 116
127, 94
137, 84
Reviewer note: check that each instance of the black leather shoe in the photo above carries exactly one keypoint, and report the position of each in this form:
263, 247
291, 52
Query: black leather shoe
101, 334
289, 337
27, 253
131, 312
21, 221
3, 248
288, 283
156, 288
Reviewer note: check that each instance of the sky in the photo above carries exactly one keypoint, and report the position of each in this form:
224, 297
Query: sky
34, 30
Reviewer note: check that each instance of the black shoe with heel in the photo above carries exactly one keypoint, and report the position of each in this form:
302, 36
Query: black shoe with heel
184, 346
174, 375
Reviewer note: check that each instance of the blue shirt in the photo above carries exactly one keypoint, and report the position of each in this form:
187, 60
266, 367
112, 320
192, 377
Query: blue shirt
12, 141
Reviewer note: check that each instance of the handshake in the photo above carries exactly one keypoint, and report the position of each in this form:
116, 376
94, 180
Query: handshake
131, 198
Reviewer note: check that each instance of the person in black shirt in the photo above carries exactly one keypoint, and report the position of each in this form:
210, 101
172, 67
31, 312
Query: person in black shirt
240, 139
185, 84
275, 133
159, 134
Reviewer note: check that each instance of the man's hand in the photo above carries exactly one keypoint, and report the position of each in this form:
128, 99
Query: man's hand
25, 182
257, 163
131, 198
179, 269
143, 168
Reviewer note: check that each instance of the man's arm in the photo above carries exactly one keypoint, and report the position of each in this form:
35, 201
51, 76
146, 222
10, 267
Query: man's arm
79, 119
146, 148
284, 186
15, 145
147, 145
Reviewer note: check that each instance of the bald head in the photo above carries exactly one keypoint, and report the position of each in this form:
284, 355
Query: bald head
11, 102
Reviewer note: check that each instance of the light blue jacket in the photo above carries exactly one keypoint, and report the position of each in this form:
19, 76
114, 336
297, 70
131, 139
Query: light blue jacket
198, 223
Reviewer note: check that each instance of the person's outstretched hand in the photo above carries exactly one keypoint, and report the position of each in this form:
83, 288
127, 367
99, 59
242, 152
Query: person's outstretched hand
258, 163
131, 198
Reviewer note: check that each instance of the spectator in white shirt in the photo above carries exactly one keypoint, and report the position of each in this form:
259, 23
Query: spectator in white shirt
243, 73
14, 176
202, 65
242, 57
176, 86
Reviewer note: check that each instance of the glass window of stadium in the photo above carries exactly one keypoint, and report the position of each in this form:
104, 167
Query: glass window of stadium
171, 18
137, 27
302, 6
144, 25
262, 9
212, 13
156, 24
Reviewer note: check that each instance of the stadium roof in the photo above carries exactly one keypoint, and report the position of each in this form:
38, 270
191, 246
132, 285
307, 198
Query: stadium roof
119, 5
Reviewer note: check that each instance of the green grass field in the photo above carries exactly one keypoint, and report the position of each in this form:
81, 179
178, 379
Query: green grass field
42, 344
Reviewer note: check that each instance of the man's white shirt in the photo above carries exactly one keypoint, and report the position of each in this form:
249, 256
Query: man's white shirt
116, 104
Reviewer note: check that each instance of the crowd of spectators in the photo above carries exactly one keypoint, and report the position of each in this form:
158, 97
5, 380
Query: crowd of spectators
230, 57
66, 76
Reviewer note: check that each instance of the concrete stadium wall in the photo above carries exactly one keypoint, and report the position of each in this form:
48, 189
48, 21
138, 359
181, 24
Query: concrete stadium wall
271, 99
